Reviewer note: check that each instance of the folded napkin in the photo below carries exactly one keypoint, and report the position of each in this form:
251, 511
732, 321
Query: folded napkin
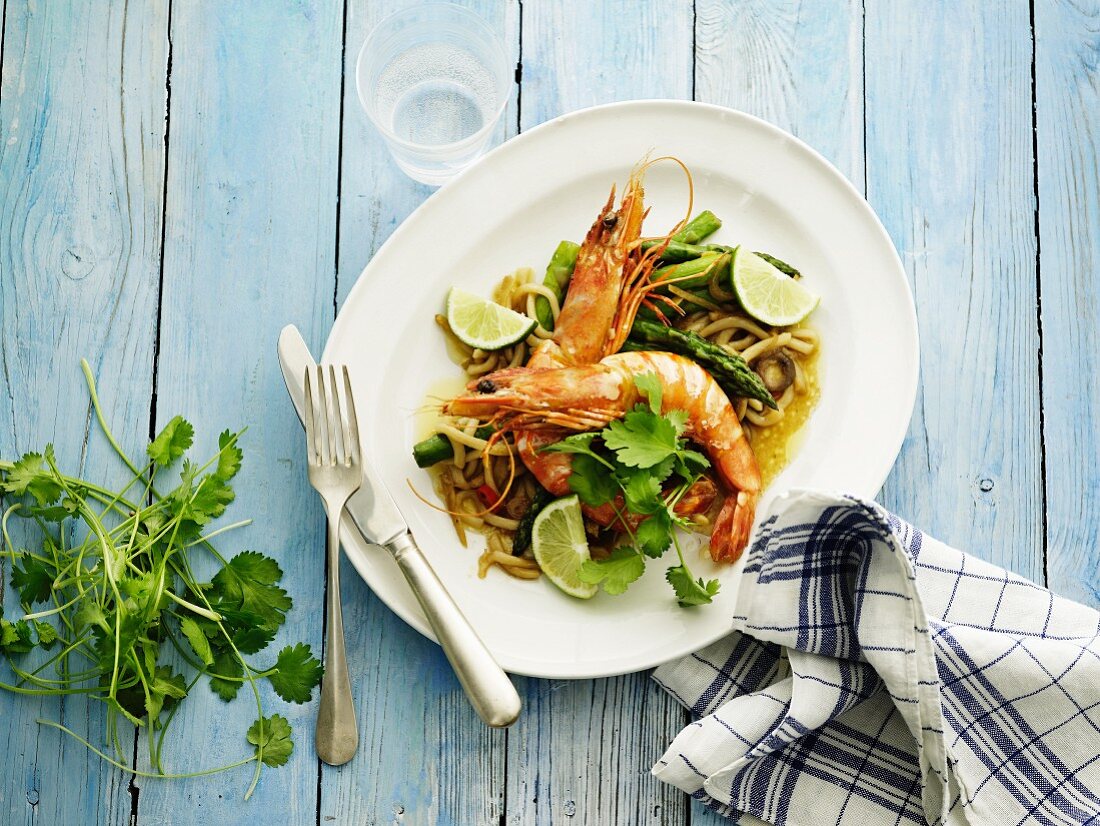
879, 676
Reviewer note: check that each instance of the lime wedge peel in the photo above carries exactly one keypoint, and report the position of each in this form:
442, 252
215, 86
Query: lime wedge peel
767, 294
479, 322
561, 547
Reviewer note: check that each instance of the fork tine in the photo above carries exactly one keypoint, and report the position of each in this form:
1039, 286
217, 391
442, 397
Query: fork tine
339, 439
326, 427
353, 423
311, 443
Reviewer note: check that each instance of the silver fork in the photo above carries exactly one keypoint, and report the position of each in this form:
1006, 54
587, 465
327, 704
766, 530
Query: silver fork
335, 471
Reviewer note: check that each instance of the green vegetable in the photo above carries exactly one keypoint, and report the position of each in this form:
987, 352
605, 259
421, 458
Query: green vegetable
678, 251
704, 224
731, 371
558, 273
644, 459
782, 266
109, 580
438, 448
693, 274
521, 541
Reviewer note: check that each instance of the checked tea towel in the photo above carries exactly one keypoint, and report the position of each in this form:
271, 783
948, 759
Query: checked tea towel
879, 676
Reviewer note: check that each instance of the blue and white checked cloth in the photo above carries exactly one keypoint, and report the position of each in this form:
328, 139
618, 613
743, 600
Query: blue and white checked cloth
888, 679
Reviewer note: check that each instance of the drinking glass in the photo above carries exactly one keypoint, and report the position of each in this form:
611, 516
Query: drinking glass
434, 79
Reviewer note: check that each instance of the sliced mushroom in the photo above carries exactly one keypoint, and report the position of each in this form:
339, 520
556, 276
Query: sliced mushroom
776, 369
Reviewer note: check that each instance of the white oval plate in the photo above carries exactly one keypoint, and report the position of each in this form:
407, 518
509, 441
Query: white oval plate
510, 210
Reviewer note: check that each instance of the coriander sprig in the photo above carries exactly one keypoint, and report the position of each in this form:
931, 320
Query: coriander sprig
643, 461
112, 572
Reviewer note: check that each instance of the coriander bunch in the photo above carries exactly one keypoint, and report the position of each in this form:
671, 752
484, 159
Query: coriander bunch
107, 588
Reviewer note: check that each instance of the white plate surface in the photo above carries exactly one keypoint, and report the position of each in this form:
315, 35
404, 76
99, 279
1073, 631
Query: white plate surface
510, 210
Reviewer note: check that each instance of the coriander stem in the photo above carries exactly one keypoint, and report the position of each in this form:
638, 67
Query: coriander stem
195, 609
90, 379
139, 772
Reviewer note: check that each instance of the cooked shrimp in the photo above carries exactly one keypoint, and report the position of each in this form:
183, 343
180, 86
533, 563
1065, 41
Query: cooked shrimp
584, 327
588, 397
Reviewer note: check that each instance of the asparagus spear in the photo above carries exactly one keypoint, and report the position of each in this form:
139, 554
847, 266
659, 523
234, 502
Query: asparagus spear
731, 371
704, 224
779, 264
438, 448
558, 273
678, 251
699, 267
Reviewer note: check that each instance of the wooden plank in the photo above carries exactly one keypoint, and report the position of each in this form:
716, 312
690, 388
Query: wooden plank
949, 171
424, 755
249, 247
1068, 136
798, 65
82, 106
583, 749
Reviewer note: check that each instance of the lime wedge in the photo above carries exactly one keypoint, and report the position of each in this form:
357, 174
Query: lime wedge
560, 546
482, 323
767, 294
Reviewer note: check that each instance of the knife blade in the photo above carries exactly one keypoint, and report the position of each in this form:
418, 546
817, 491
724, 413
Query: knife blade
376, 516
371, 508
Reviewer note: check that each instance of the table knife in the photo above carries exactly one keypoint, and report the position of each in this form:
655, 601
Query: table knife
375, 515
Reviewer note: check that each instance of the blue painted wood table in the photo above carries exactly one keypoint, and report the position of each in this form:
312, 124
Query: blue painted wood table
179, 180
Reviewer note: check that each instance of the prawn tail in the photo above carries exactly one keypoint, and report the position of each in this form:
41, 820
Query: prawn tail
733, 526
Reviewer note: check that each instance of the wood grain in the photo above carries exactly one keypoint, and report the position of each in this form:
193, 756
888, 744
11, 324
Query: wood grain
949, 171
425, 757
249, 247
798, 65
1067, 85
82, 105
582, 751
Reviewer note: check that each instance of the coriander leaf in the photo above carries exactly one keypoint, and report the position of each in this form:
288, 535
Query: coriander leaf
47, 634
251, 640
30, 475
614, 573
90, 613
229, 457
169, 684
650, 386
642, 492
274, 733
678, 419
226, 665
33, 581
577, 443
654, 535
690, 463
248, 583
209, 499
690, 591
591, 481
172, 442
297, 671
15, 637
641, 439
199, 643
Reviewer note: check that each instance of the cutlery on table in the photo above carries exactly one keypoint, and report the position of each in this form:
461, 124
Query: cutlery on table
335, 471
375, 515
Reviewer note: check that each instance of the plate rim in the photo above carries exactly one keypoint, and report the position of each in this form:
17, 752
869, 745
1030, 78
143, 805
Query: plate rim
414, 619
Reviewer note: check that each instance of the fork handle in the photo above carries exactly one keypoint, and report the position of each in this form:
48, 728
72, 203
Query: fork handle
491, 693
337, 737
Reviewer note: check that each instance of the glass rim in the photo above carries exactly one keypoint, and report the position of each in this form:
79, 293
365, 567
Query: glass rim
471, 17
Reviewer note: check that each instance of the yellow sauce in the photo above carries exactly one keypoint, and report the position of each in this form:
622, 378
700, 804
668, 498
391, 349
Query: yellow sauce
775, 446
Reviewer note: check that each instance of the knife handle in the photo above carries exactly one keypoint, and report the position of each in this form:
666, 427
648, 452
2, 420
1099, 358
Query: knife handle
488, 688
